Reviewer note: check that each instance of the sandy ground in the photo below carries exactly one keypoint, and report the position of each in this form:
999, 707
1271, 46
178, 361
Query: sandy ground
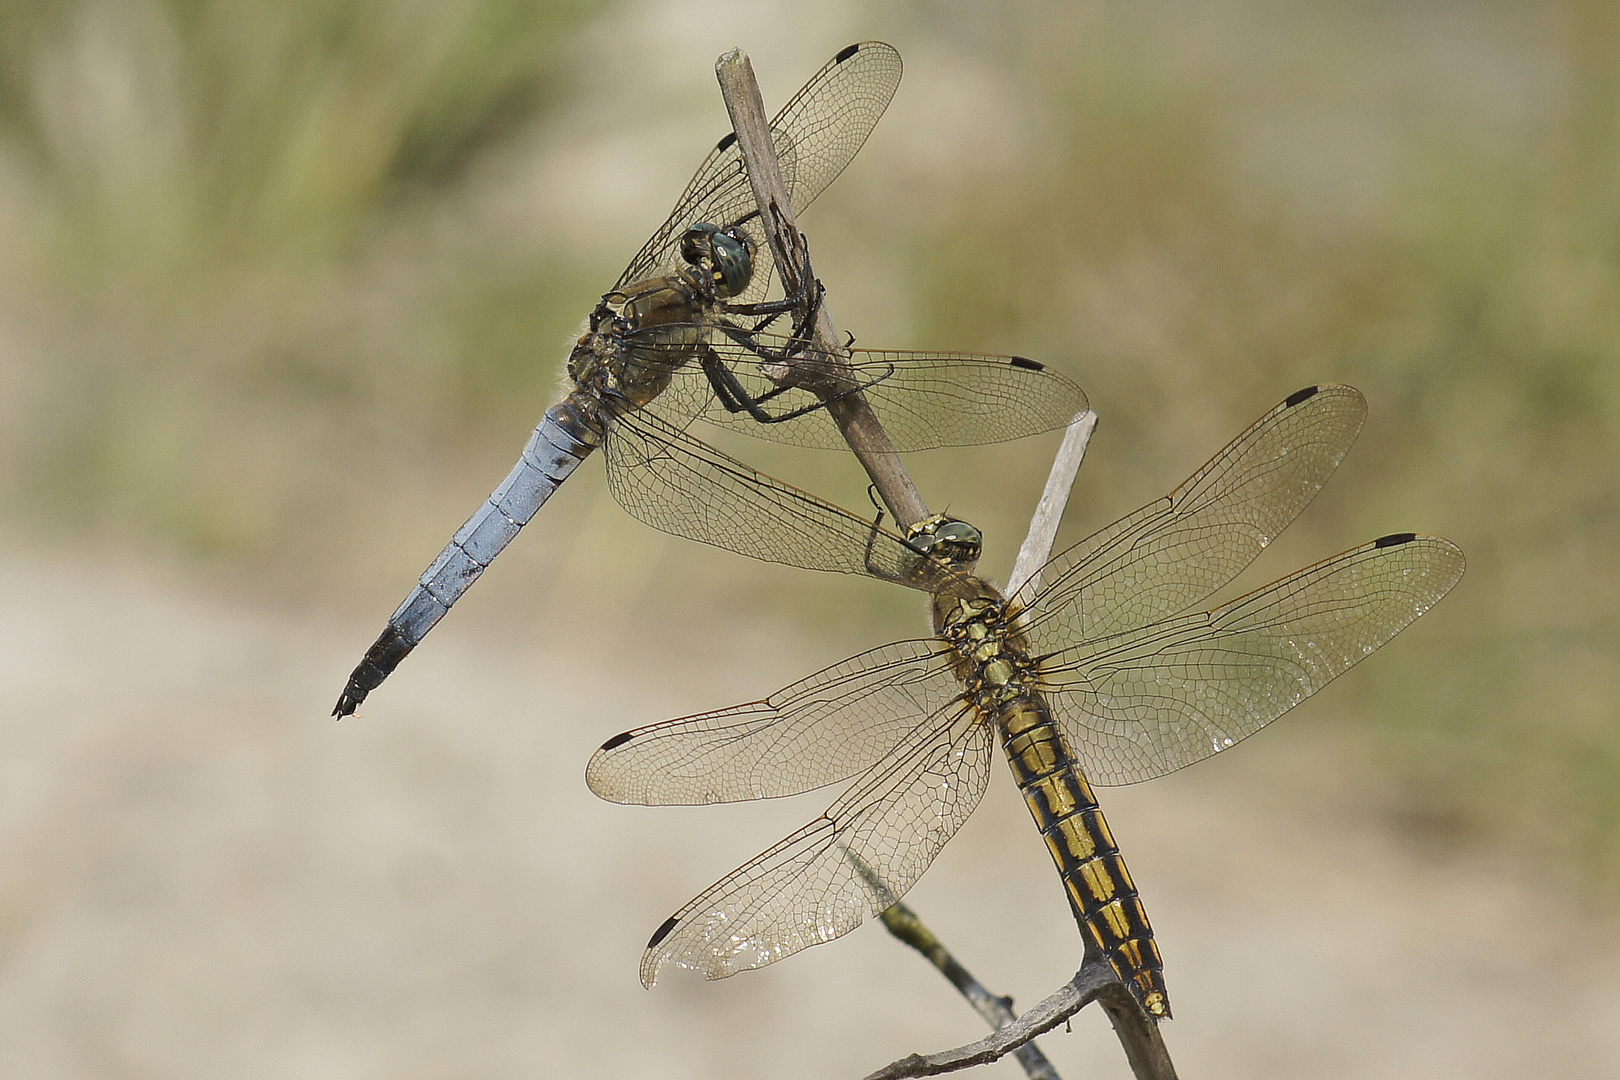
205, 877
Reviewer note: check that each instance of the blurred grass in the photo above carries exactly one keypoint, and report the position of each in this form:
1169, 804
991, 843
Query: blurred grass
266, 297
1320, 207
212, 210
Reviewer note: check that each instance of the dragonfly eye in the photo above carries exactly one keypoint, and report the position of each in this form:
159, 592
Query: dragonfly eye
951, 541
729, 253
733, 262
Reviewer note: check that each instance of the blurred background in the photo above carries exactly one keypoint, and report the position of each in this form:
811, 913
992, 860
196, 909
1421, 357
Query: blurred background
284, 286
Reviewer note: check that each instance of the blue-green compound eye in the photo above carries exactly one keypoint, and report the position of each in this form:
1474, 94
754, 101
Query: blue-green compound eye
947, 539
733, 263
729, 253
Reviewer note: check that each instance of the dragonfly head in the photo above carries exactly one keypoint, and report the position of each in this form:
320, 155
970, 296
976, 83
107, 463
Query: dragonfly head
953, 542
729, 253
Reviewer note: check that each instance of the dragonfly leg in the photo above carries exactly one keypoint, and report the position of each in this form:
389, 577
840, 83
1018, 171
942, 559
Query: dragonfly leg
873, 565
774, 308
805, 301
733, 396
736, 398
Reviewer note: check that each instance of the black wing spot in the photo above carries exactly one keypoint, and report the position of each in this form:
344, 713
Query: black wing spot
1026, 363
846, 52
619, 740
662, 932
1394, 540
731, 137
1301, 395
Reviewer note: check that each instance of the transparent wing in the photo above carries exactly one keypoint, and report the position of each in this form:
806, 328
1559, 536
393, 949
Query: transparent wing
816, 135
857, 858
925, 400
1142, 703
675, 483
823, 729
1173, 553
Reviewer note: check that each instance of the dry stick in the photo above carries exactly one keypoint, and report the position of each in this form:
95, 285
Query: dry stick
900, 920
1138, 1034
1095, 981
872, 447
1143, 1048
904, 924
848, 408
1043, 527
997, 1011
1092, 980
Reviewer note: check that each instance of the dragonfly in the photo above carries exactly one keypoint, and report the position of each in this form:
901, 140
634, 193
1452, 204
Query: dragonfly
1102, 669
685, 334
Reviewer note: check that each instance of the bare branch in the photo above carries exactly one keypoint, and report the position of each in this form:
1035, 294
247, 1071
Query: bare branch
1138, 1034
904, 924
848, 408
1090, 981
997, 1011
1043, 527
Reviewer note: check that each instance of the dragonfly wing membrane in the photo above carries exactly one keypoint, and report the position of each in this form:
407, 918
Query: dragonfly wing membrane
677, 484
1149, 701
823, 729
816, 134
1175, 552
924, 400
854, 860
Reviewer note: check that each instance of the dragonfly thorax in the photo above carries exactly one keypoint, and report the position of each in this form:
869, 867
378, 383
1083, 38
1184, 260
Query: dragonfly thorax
639, 336
991, 657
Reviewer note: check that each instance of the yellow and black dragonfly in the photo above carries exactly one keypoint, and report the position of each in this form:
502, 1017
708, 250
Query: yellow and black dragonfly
685, 334
1100, 669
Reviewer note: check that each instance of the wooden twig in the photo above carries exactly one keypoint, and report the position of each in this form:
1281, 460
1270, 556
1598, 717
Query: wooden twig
1139, 1036
1092, 979
1137, 1032
848, 408
1043, 527
997, 1010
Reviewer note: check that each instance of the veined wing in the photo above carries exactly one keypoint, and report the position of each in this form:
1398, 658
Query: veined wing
823, 729
857, 858
1153, 699
925, 400
815, 135
675, 483
1175, 552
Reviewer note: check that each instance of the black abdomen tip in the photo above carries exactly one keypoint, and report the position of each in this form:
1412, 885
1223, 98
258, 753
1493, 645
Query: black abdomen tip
1301, 395
662, 932
1394, 540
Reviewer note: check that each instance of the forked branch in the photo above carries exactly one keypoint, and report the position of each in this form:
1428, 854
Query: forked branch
904, 924
1092, 979
1138, 1034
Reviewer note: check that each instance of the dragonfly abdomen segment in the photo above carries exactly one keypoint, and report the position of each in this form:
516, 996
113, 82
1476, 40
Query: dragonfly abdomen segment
1099, 886
553, 452
565, 436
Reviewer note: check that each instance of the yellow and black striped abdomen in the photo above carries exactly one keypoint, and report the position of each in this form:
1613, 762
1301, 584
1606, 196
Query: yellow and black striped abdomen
1099, 887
